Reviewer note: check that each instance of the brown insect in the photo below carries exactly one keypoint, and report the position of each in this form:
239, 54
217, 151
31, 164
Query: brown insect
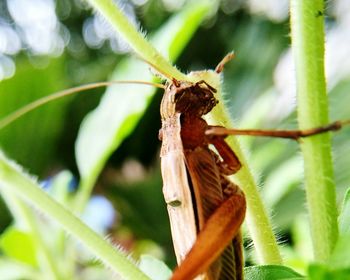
201, 200
206, 210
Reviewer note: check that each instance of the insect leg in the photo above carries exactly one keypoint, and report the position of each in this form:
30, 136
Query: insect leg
218, 231
230, 163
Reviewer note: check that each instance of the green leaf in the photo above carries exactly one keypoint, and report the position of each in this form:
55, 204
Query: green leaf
154, 268
321, 272
270, 272
40, 129
122, 106
18, 245
283, 180
340, 257
344, 217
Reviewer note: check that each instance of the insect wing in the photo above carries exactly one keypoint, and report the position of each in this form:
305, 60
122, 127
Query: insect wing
176, 189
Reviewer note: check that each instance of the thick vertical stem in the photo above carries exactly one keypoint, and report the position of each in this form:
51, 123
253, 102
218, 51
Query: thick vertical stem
307, 24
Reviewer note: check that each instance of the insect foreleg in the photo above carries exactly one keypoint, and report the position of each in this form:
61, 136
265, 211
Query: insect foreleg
230, 163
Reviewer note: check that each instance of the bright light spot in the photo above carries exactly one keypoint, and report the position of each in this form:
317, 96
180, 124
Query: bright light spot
276, 10
99, 214
90, 35
97, 30
139, 2
7, 67
10, 42
38, 23
173, 5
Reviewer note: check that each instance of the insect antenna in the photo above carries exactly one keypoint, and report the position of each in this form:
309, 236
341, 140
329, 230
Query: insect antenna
46, 99
220, 67
289, 134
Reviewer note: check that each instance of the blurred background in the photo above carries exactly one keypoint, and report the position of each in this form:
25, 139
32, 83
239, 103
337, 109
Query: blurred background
47, 46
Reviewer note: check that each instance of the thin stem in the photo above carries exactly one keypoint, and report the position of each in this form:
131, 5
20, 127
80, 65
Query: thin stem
307, 24
257, 217
130, 34
14, 181
23, 213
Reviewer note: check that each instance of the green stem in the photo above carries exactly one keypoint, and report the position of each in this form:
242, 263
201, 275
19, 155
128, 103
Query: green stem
257, 219
130, 34
24, 214
307, 24
14, 181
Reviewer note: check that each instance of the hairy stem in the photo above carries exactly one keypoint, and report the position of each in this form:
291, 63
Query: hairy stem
307, 24
130, 34
24, 214
14, 181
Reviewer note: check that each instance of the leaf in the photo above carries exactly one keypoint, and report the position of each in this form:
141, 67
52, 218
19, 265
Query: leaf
18, 245
344, 217
283, 180
340, 257
122, 106
154, 268
38, 132
321, 272
270, 272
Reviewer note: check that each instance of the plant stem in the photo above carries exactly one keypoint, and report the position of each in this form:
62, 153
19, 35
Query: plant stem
307, 25
257, 218
14, 181
130, 34
24, 214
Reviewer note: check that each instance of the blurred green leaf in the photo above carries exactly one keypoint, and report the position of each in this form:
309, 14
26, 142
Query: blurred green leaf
31, 139
344, 217
143, 208
282, 180
18, 245
154, 268
270, 272
340, 257
321, 272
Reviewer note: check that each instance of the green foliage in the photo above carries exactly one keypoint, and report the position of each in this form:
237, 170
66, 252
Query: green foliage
344, 217
270, 272
18, 245
28, 85
126, 119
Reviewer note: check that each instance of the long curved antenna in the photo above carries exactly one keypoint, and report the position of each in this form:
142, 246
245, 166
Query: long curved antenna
46, 99
290, 134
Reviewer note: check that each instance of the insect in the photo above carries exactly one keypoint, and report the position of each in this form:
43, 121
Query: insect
205, 208
201, 200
